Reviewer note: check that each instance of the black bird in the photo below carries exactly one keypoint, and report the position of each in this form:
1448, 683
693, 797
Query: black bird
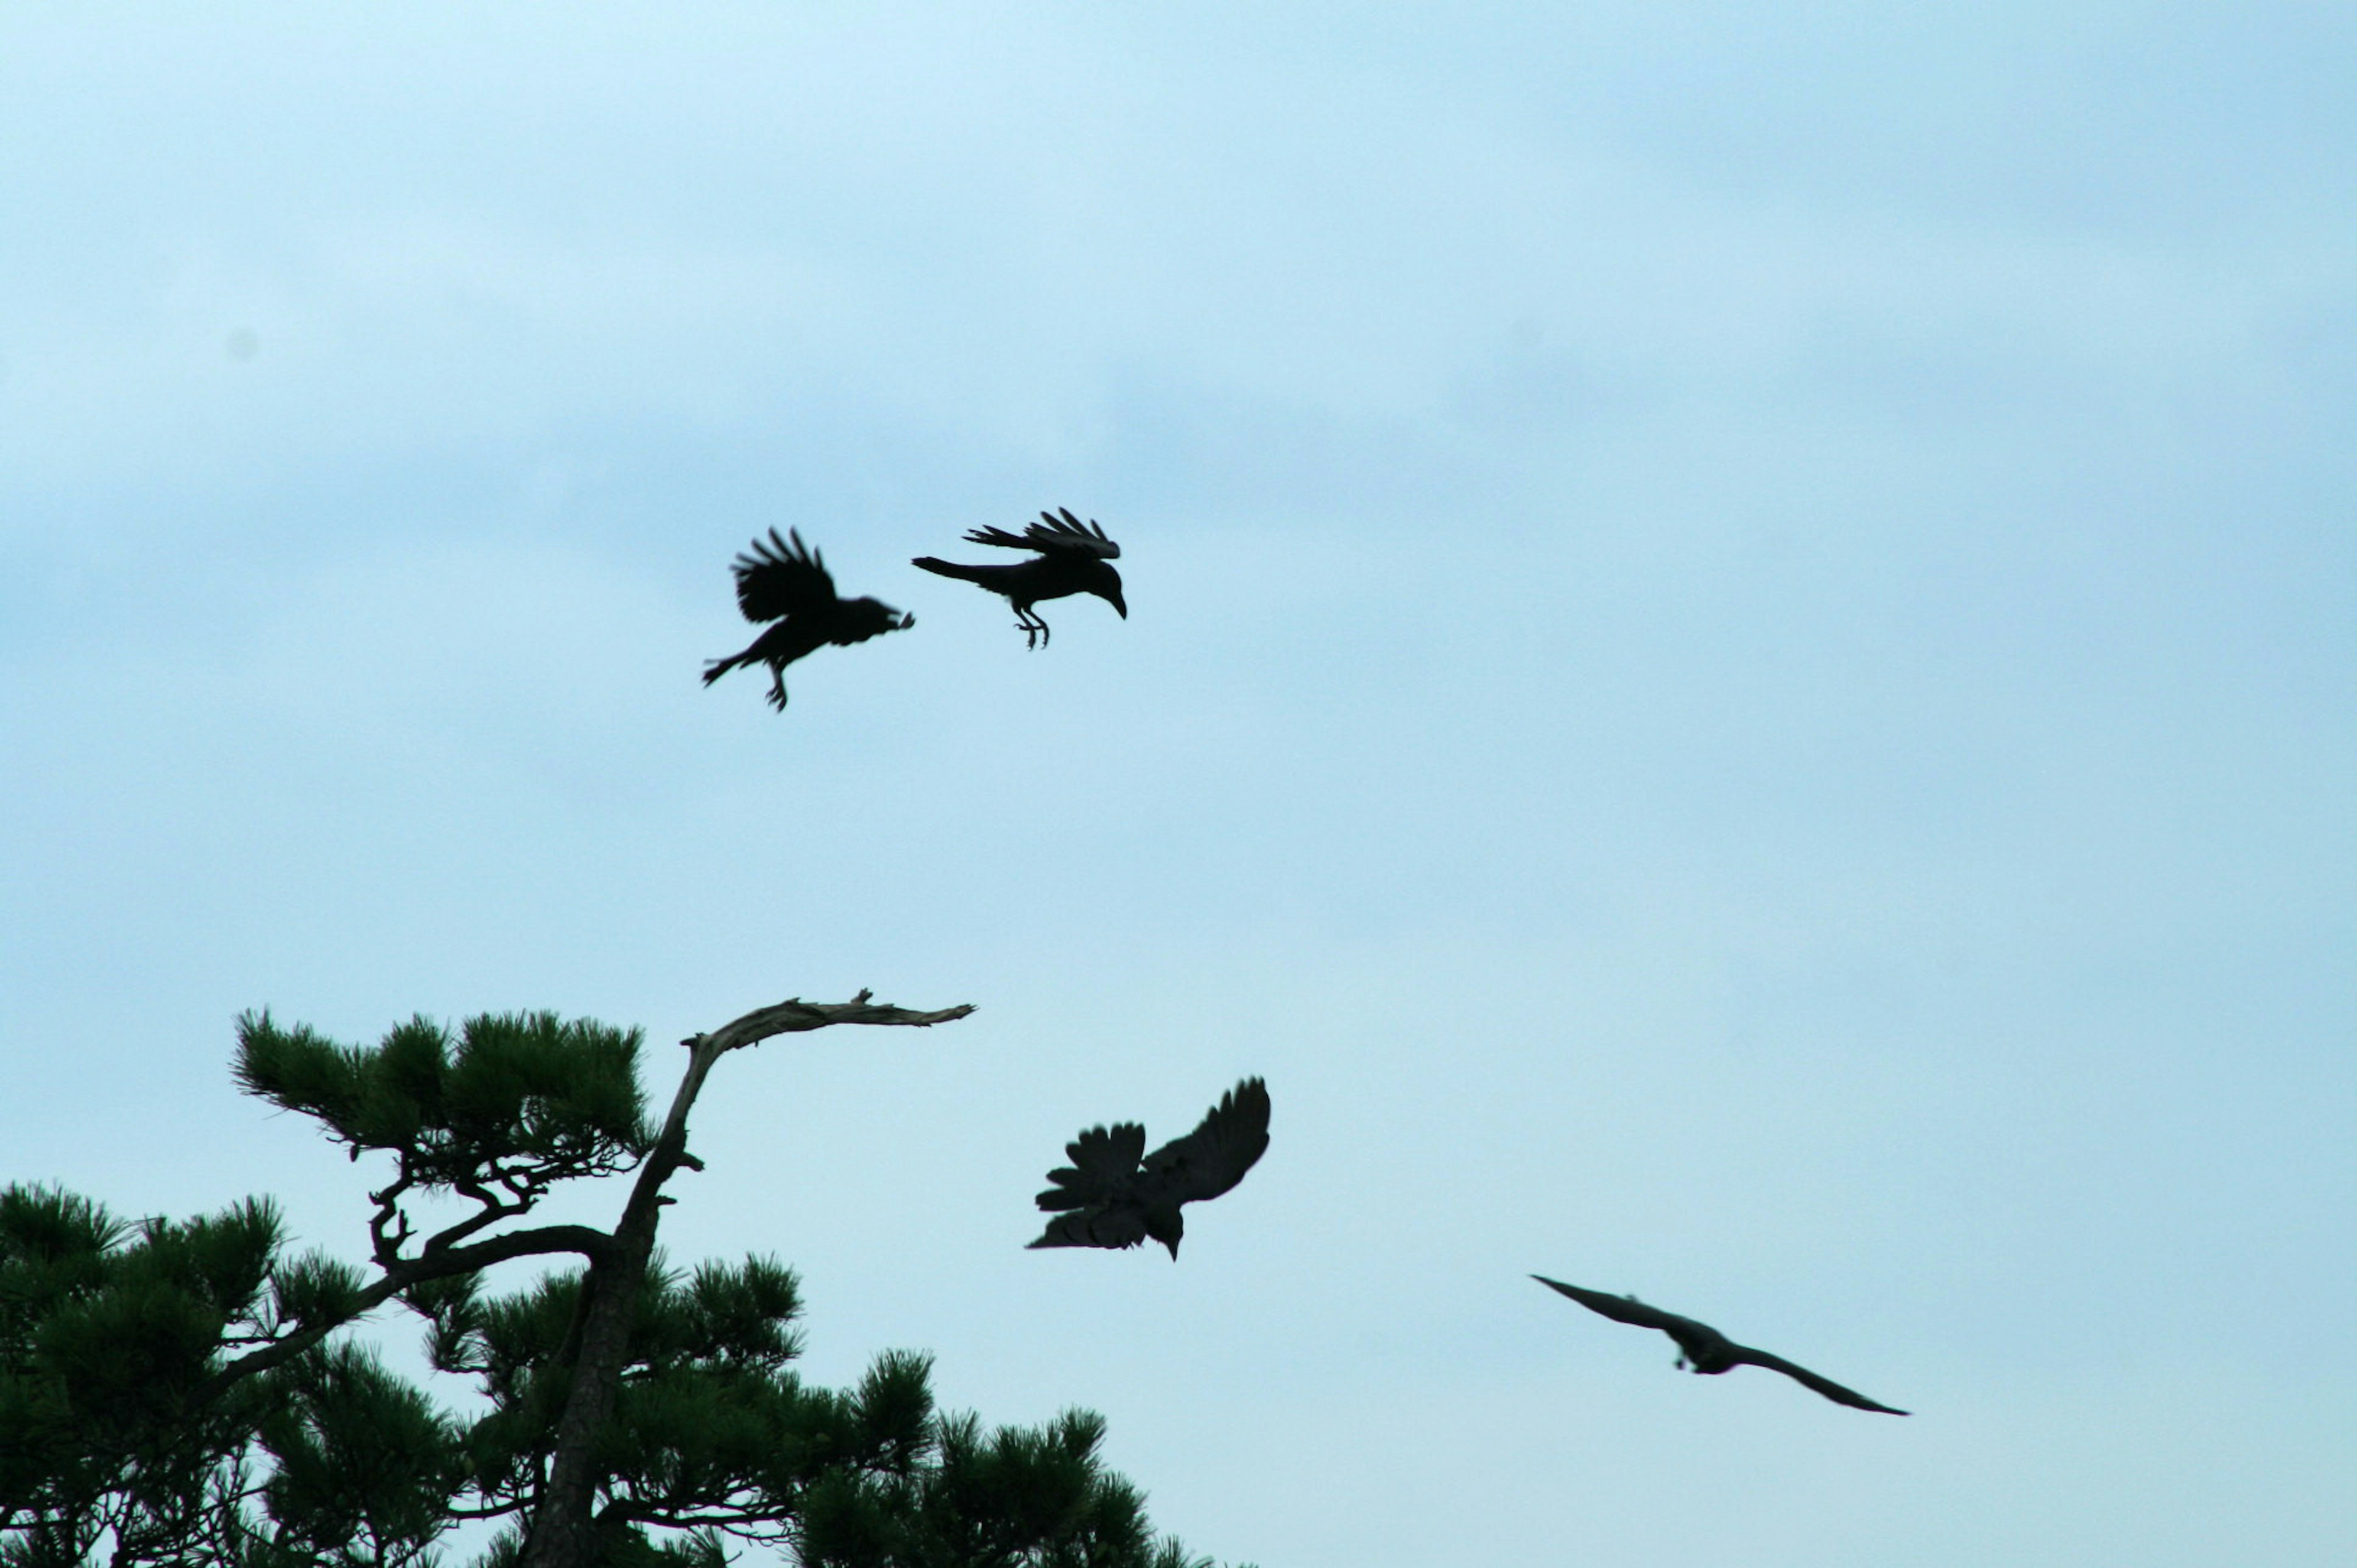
1116, 1199
788, 584
1073, 558
1705, 1349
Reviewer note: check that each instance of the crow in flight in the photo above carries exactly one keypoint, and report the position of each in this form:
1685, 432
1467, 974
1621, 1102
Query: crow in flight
1705, 1349
789, 584
1114, 1199
1073, 558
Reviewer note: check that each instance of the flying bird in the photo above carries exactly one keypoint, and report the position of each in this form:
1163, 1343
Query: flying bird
1108, 1196
788, 584
1705, 1349
1073, 557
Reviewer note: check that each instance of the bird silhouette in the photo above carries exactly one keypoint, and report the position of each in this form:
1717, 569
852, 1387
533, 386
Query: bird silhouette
789, 584
1073, 558
1111, 1198
1705, 1349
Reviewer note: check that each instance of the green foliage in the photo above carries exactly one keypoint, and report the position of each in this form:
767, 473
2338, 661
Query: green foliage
106, 1331
1015, 1497
331, 1460
362, 1466
525, 1099
132, 1433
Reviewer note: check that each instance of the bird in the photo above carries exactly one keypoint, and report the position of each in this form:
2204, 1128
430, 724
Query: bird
1705, 1349
1108, 1196
787, 583
1073, 558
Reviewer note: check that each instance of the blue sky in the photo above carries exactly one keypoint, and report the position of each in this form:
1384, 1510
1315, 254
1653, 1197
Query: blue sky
1738, 686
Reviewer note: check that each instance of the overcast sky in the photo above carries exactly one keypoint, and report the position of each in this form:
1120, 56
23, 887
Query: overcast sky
1741, 685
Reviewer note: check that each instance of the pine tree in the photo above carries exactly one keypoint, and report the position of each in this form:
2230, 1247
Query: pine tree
193, 1393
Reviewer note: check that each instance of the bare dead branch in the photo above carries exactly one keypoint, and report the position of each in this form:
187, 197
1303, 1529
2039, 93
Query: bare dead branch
563, 1533
795, 1015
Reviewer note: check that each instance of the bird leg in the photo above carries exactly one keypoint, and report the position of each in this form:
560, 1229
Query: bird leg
1035, 630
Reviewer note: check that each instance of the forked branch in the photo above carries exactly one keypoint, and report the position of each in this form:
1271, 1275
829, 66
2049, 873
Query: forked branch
563, 1531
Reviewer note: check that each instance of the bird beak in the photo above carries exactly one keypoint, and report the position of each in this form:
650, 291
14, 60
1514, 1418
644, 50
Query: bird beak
1119, 608
906, 621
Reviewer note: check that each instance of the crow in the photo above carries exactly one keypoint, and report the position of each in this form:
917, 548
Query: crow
1116, 1200
1705, 1349
1073, 558
789, 584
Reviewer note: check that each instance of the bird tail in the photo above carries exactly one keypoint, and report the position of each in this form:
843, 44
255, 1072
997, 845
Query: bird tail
952, 569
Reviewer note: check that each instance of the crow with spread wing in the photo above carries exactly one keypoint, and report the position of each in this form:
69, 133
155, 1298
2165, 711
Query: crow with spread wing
788, 584
1705, 1349
1073, 557
1108, 1196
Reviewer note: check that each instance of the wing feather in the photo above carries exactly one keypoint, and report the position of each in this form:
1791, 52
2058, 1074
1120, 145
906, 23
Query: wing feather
1107, 1227
1809, 1379
1052, 534
775, 578
1104, 1168
1213, 1158
1619, 1308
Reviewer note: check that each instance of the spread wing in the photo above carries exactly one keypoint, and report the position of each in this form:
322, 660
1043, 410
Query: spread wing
1213, 1158
1118, 1227
1104, 1168
1122, 1227
1621, 1308
775, 578
1052, 534
1809, 1379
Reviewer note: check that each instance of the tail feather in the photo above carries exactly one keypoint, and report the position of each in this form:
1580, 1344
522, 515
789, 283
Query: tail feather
952, 569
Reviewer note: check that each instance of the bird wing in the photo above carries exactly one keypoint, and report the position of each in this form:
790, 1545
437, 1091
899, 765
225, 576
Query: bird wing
1809, 1379
1621, 1308
775, 578
1122, 1227
1052, 534
1213, 1158
1104, 1168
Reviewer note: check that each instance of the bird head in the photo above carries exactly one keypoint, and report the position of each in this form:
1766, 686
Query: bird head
1165, 1227
1108, 588
868, 617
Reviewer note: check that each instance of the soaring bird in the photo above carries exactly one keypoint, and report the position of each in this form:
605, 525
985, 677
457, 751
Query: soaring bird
788, 584
1112, 1198
1705, 1349
1073, 558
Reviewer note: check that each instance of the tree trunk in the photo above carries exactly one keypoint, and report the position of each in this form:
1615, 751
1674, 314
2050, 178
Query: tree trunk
564, 1527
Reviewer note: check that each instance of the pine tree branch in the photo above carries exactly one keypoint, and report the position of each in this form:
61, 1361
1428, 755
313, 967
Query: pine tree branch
401, 1275
389, 1227
563, 1529
491, 1212
795, 1015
